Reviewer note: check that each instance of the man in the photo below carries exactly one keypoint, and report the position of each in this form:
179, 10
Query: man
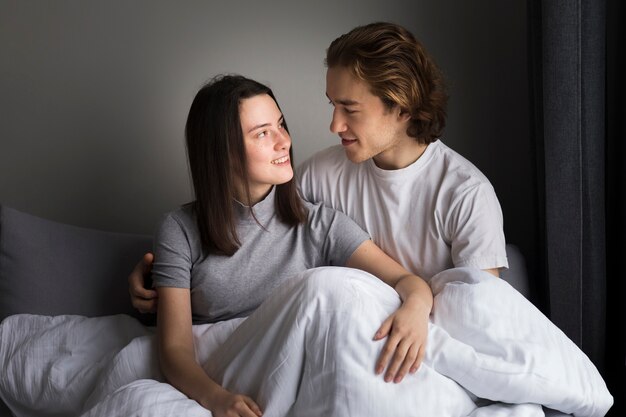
420, 201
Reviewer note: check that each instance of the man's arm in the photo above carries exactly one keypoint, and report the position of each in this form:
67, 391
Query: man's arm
476, 231
406, 329
493, 271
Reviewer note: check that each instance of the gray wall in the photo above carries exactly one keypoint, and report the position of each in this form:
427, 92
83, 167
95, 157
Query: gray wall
94, 94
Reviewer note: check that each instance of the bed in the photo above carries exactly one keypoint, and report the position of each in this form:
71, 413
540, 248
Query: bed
60, 282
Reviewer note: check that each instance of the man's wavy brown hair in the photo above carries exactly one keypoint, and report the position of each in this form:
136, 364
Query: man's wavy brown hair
399, 71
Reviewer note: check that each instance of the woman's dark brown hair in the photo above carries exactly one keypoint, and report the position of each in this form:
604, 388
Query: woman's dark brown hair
399, 71
217, 158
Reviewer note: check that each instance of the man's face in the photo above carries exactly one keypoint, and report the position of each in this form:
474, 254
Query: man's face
366, 127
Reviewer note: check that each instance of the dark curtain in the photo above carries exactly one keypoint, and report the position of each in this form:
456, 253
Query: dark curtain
577, 68
616, 204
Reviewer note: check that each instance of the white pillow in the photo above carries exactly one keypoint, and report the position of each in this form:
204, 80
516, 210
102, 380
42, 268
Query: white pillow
515, 353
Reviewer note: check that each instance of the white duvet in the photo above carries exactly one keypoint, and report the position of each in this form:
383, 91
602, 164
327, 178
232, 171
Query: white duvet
308, 351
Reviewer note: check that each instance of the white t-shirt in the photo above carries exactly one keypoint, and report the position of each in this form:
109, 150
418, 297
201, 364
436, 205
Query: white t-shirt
435, 214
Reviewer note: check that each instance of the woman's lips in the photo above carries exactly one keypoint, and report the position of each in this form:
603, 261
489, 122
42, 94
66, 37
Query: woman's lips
281, 161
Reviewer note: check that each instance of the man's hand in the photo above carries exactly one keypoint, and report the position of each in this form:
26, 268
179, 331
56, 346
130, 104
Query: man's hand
144, 300
406, 331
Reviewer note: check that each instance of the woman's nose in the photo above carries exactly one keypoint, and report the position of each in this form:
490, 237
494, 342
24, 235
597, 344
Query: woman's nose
283, 141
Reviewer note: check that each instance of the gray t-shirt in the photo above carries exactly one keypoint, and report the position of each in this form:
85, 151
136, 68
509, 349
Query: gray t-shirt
224, 287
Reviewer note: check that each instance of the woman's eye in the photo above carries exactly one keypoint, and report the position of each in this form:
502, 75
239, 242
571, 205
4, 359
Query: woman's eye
262, 134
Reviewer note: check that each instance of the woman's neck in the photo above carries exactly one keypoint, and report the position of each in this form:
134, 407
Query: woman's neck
256, 195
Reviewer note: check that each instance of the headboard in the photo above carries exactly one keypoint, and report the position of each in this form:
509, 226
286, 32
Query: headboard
52, 268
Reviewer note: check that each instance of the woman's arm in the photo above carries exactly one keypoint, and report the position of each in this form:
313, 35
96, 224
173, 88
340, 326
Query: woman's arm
407, 328
178, 362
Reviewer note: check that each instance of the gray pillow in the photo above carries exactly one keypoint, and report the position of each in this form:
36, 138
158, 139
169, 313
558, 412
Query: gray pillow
51, 268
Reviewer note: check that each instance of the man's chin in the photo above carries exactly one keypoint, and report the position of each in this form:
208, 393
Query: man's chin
356, 157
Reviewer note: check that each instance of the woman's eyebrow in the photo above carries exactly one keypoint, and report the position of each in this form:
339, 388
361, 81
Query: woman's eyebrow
258, 126
281, 118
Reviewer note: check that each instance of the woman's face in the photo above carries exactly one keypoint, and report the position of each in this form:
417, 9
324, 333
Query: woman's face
267, 145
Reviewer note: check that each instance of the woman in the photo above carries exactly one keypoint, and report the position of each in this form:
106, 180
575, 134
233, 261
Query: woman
248, 232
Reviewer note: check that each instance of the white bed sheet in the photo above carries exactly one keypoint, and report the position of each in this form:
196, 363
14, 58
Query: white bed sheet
308, 351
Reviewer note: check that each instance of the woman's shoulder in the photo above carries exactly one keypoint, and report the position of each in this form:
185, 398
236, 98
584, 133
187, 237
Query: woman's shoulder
316, 209
332, 228
323, 216
182, 218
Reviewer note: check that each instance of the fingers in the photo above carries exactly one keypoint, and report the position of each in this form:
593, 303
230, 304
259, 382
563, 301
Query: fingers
137, 290
146, 263
402, 353
141, 270
406, 365
144, 306
385, 356
142, 299
384, 329
253, 407
243, 406
406, 357
420, 358
394, 354
137, 278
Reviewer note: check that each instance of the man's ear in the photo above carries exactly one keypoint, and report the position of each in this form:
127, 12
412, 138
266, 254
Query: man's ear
404, 115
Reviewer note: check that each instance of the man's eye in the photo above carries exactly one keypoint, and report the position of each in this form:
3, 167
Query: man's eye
349, 111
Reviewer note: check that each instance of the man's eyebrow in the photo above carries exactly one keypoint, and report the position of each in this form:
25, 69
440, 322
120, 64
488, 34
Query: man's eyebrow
344, 102
280, 119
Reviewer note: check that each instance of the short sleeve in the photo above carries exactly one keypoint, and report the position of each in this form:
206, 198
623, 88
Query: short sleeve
475, 228
172, 255
335, 234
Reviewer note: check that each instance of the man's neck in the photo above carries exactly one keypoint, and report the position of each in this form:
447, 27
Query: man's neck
401, 155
